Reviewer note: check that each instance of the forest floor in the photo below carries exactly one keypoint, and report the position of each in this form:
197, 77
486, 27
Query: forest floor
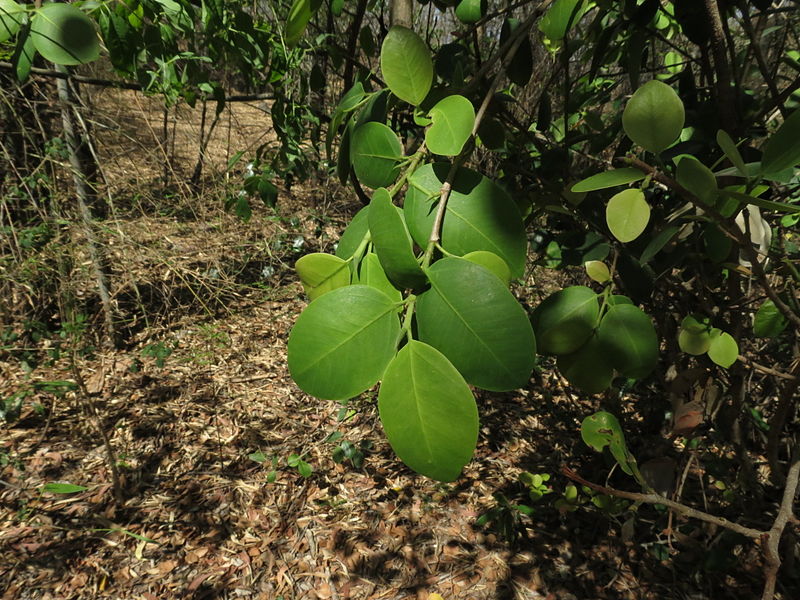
203, 416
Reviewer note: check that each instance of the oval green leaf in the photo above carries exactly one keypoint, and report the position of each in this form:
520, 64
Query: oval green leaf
630, 340
375, 152
589, 368
694, 343
300, 14
608, 179
428, 412
560, 17
11, 15
475, 321
654, 116
783, 148
321, 273
64, 35
723, 349
453, 118
698, 179
603, 429
597, 271
343, 341
471, 11
769, 322
627, 215
565, 320
371, 273
730, 150
480, 215
353, 234
406, 65
492, 262
393, 243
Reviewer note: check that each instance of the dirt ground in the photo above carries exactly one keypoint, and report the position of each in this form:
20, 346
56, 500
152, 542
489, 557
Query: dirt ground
211, 508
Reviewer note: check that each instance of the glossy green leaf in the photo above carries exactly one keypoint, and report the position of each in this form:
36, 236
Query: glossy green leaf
560, 17
343, 341
492, 262
428, 412
629, 338
698, 179
348, 103
627, 215
63, 34
597, 271
480, 215
353, 235
375, 152
565, 320
393, 243
608, 179
11, 15
300, 14
654, 116
406, 65
695, 338
452, 120
783, 147
589, 368
730, 150
475, 321
63, 488
723, 349
24, 53
603, 429
321, 273
471, 11
769, 322
658, 242
371, 273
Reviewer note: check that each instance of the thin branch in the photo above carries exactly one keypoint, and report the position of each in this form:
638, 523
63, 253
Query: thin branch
773, 537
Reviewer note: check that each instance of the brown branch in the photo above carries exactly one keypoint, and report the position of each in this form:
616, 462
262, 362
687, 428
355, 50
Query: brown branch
772, 538
725, 94
767, 370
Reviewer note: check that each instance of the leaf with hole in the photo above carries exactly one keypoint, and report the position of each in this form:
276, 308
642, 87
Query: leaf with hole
627, 215
321, 273
698, 179
630, 340
603, 429
375, 152
11, 15
392, 242
343, 341
723, 349
406, 65
371, 273
452, 120
782, 150
769, 322
63, 34
608, 179
654, 116
480, 215
428, 412
564, 321
475, 321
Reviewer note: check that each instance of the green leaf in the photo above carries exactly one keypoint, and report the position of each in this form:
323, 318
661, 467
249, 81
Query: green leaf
453, 118
24, 53
428, 412
520, 67
475, 321
769, 322
63, 488
11, 15
64, 35
608, 179
299, 15
629, 338
783, 147
258, 456
627, 215
658, 242
698, 179
371, 273
602, 429
348, 103
353, 234
375, 152
321, 273
589, 368
731, 152
597, 271
343, 341
343, 162
406, 65
760, 202
560, 17
565, 320
337, 6
654, 116
471, 11
723, 349
480, 215
492, 262
694, 335
393, 243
